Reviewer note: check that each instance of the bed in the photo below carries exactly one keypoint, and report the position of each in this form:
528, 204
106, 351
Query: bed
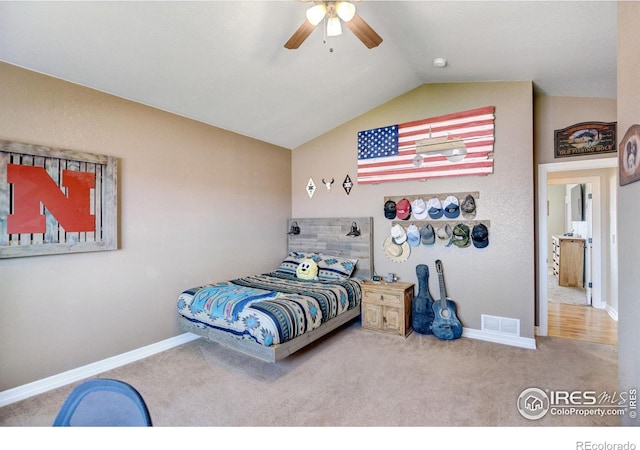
274, 314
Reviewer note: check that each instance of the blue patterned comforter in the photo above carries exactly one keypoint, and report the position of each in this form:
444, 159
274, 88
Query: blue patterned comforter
270, 308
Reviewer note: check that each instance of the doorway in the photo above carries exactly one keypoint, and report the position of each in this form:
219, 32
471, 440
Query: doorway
569, 225
569, 316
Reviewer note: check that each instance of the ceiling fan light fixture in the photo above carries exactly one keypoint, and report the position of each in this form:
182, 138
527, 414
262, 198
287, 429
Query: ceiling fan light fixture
332, 13
345, 10
333, 26
316, 13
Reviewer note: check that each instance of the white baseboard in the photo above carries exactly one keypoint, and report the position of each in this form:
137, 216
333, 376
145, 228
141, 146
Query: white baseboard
38, 387
499, 338
612, 313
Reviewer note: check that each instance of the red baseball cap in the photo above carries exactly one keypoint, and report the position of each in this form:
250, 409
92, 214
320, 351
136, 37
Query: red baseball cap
403, 209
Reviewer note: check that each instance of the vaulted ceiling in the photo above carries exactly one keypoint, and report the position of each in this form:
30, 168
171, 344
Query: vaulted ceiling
224, 62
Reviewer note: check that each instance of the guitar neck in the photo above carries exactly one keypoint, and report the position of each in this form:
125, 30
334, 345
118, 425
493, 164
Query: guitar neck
443, 292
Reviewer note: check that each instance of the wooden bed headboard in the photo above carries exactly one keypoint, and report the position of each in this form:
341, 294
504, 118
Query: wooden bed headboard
329, 236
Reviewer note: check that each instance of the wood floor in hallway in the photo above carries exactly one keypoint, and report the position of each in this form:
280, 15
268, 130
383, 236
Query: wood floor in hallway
583, 323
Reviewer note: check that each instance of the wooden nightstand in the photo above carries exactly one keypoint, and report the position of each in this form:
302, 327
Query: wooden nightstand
386, 307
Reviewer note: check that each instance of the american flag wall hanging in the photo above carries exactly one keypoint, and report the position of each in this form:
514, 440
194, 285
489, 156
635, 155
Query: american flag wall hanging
387, 154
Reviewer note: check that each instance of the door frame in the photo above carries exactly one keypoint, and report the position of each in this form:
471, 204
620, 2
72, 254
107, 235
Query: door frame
543, 171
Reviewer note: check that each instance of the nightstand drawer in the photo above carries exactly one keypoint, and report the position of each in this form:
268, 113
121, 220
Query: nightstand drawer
383, 298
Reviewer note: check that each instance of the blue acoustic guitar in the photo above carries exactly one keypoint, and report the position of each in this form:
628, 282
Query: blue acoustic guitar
446, 325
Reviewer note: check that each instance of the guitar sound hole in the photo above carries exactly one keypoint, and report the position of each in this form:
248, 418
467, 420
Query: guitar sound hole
445, 313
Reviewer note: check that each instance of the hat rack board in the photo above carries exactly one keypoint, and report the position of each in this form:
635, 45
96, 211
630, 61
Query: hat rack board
426, 197
439, 222
442, 198
330, 236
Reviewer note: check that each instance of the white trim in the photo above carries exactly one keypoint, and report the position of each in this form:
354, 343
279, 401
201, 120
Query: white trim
543, 170
499, 338
38, 387
613, 313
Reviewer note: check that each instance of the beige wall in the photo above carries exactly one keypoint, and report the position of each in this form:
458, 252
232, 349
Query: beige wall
497, 280
628, 210
556, 113
197, 204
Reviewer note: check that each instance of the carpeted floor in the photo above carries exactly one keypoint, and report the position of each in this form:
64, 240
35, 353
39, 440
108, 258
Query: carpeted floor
562, 294
354, 378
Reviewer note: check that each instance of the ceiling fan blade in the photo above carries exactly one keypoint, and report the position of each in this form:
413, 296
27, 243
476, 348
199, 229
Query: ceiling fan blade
300, 35
363, 31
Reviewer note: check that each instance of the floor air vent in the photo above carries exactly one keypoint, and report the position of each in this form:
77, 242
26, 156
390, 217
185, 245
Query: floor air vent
502, 325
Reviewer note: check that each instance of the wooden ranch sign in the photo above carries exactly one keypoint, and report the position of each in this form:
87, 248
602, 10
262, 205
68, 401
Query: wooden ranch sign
56, 201
585, 138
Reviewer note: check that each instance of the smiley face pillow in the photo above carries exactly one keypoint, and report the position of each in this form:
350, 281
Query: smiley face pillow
307, 270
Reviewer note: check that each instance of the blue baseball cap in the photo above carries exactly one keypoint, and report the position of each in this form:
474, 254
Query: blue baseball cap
451, 207
413, 235
435, 208
480, 236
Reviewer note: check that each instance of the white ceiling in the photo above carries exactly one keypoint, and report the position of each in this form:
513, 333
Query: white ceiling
223, 62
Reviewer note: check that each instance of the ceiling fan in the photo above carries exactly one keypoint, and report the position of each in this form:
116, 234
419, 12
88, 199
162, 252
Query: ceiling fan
335, 12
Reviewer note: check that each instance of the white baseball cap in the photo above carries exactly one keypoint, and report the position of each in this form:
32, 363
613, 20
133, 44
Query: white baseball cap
413, 235
419, 209
398, 234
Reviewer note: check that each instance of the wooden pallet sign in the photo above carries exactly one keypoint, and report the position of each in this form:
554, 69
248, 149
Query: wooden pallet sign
55, 201
395, 152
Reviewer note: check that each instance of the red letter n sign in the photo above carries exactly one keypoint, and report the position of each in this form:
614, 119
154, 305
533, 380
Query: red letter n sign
32, 186
56, 200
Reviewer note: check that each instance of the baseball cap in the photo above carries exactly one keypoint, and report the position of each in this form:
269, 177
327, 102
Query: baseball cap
468, 207
451, 207
403, 209
480, 236
419, 209
398, 235
443, 235
435, 208
427, 234
460, 236
413, 235
390, 209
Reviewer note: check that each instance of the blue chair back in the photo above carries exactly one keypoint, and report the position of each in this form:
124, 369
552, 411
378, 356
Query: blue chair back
103, 403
